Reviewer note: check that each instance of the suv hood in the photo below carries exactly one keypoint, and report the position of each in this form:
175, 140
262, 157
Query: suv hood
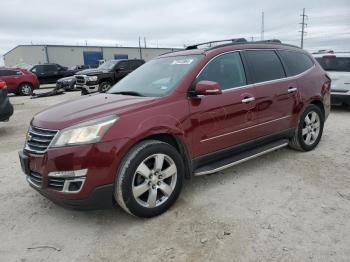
91, 72
87, 108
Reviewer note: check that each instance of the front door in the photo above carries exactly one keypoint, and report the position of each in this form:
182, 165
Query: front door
221, 121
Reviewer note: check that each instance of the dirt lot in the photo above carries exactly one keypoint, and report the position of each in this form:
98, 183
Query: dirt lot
285, 206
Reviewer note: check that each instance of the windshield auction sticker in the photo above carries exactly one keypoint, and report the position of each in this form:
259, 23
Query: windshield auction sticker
182, 62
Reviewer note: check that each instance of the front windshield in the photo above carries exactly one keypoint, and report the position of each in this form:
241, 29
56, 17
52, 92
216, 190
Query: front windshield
157, 77
108, 65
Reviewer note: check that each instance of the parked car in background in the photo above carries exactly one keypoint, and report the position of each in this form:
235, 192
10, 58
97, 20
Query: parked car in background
19, 81
6, 109
337, 66
66, 83
185, 113
49, 73
79, 67
106, 75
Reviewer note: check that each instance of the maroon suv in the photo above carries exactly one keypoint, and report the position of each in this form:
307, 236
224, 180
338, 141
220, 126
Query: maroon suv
19, 81
182, 114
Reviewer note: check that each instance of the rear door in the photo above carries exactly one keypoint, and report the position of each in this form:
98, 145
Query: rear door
275, 95
51, 73
122, 69
221, 121
11, 77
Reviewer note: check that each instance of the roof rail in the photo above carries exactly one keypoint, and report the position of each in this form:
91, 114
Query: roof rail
271, 41
235, 40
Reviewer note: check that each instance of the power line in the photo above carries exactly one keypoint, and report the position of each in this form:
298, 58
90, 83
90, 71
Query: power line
303, 25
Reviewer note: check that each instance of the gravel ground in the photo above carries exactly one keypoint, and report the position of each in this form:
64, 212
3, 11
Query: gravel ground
284, 206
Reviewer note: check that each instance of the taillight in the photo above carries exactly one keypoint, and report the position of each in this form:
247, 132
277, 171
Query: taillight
2, 85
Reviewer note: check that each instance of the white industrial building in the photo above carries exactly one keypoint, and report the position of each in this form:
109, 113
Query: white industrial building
76, 55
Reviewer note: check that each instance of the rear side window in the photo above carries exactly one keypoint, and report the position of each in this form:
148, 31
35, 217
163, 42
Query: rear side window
295, 62
333, 63
124, 65
226, 69
135, 64
9, 72
264, 65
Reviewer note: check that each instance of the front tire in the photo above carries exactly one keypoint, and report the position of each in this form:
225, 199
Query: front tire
149, 179
310, 129
104, 87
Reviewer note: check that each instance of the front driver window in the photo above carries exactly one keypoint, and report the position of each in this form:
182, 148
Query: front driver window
226, 69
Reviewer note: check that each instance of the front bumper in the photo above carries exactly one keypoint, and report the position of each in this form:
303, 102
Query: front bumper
101, 161
88, 89
340, 98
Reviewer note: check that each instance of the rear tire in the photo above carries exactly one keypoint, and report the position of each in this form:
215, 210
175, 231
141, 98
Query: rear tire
25, 89
149, 179
310, 129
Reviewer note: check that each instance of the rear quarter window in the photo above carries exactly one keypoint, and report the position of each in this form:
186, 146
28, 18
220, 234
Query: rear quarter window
264, 65
295, 62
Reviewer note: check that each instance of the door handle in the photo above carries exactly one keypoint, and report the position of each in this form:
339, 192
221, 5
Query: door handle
292, 89
248, 100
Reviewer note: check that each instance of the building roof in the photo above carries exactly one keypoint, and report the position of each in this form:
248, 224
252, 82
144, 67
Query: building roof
93, 46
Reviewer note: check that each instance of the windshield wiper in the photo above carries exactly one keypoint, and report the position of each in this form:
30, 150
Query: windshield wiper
127, 93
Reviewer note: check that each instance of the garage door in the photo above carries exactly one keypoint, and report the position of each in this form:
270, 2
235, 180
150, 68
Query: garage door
91, 58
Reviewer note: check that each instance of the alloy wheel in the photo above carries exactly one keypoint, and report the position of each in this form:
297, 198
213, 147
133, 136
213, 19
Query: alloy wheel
26, 89
154, 180
311, 128
105, 87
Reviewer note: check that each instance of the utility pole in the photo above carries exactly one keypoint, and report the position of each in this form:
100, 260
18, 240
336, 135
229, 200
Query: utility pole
140, 50
303, 25
144, 40
262, 26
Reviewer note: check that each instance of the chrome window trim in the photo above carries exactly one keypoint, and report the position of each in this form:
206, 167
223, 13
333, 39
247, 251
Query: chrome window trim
287, 78
243, 129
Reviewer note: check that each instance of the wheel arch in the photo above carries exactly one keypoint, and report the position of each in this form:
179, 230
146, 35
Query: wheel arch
320, 105
178, 144
109, 80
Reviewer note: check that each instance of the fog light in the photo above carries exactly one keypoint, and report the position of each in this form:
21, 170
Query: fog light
75, 185
69, 174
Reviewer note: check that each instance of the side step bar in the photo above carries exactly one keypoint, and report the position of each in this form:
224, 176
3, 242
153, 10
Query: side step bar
240, 158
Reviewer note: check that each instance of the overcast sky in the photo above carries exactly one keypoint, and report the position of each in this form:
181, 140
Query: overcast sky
171, 23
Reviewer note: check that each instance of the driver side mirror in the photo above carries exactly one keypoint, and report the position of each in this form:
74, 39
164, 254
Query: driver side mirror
204, 88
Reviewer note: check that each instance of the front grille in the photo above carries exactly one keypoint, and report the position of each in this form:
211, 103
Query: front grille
39, 139
35, 178
80, 80
56, 183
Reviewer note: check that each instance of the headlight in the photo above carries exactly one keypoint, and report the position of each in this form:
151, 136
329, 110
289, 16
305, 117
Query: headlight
84, 133
92, 78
